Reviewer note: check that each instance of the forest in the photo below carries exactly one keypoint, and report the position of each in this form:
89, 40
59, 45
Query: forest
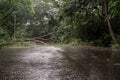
76, 22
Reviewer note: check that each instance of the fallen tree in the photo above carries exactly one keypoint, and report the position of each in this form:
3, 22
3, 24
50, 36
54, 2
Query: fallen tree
44, 39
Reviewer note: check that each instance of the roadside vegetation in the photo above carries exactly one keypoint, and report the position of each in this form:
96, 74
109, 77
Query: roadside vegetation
20, 45
72, 22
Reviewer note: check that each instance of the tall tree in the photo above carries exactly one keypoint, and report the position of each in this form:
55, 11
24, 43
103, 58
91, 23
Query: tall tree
108, 21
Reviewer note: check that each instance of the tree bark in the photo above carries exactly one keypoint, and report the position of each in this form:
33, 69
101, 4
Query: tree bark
108, 22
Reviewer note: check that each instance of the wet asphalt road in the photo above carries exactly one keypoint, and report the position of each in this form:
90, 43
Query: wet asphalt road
55, 63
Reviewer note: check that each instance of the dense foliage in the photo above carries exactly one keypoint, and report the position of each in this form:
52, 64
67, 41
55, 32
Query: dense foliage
86, 20
76, 21
9, 10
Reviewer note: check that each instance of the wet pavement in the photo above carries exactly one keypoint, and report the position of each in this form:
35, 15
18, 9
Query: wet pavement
60, 63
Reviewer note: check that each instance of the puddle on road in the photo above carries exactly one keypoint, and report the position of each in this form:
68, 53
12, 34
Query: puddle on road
54, 63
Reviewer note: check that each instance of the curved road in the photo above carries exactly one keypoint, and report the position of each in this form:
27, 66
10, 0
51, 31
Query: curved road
55, 63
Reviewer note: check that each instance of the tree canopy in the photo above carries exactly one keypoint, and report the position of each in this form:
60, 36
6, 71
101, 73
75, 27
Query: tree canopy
9, 10
95, 22
88, 19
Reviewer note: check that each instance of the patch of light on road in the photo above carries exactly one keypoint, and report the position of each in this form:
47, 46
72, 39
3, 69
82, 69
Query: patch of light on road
42, 54
43, 57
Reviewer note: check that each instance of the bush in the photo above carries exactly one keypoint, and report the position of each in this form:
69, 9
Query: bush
2, 42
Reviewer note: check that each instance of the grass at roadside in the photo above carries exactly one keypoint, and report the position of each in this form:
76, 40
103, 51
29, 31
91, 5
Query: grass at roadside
20, 44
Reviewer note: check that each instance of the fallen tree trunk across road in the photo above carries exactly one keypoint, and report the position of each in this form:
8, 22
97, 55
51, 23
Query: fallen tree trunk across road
42, 39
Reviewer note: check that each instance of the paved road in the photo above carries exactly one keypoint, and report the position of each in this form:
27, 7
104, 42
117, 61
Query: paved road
55, 63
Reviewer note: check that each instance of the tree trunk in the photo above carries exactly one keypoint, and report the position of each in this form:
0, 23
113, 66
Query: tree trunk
108, 22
